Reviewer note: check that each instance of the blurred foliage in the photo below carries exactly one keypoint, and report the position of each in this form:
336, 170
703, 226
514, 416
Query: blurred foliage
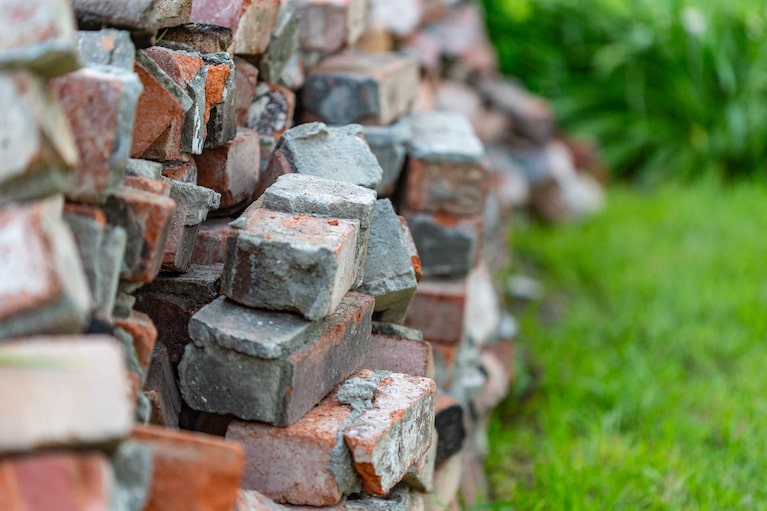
665, 86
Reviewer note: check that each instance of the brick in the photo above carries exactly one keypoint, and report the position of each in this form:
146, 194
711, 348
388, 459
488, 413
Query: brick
401, 498
473, 486
43, 288
409, 242
401, 17
311, 195
395, 351
192, 471
271, 111
420, 475
38, 149
448, 246
283, 261
447, 481
144, 168
446, 170
251, 500
246, 80
333, 153
394, 433
101, 248
48, 481
161, 389
172, 299
293, 75
511, 185
445, 362
449, 423
231, 170
74, 366
146, 218
368, 88
388, 275
192, 205
271, 366
251, 21
389, 145
199, 37
141, 328
107, 47
213, 238
283, 43
438, 310
483, 311
497, 384
220, 99
100, 105
141, 15
326, 26
162, 102
132, 464
38, 35
155, 186
184, 170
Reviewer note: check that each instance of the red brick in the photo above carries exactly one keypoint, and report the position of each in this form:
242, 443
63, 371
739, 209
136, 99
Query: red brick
251, 21
231, 170
437, 309
56, 482
192, 471
245, 79
182, 67
213, 238
184, 170
157, 187
215, 86
144, 333
327, 26
278, 165
445, 187
400, 355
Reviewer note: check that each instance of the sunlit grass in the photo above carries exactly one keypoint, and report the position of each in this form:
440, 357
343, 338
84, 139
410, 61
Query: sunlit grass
653, 385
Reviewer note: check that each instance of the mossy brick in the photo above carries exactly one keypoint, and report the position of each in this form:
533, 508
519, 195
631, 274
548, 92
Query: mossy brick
38, 35
446, 172
100, 104
291, 262
37, 148
271, 366
307, 194
388, 275
333, 153
43, 288
361, 87
76, 392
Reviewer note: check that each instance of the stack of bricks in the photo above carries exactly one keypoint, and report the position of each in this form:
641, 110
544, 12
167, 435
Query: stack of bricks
246, 258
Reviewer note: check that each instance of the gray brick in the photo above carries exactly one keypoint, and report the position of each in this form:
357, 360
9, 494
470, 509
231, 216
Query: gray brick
107, 47
141, 15
389, 145
447, 246
283, 43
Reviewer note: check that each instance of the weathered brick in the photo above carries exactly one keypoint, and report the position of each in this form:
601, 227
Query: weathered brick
311, 195
333, 153
38, 149
38, 35
100, 105
192, 471
213, 238
161, 389
271, 110
75, 392
388, 275
43, 288
172, 299
283, 43
251, 21
438, 310
132, 465
499, 375
271, 366
285, 261
329, 26
446, 172
53, 481
399, 349
183, 170
231, 170
142, 15
146, 218
144, 168
220, 100
389, 145
192, 205
353, 86
107, 47
409, 242
246, 80
141, 328
251, 500
155, 186
200, 37
448, 246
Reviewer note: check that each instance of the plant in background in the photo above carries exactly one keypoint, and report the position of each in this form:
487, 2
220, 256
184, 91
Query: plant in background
668, 88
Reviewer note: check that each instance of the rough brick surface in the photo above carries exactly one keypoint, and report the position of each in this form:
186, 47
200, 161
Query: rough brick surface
200, 37
271, 366
231, 170
145, 15
328, 26
141, 328
271, 110
38, 148
283, 43
285, 261
245, 79
369, 88
100, 105
438, 310
42, 285
192, 471
389, 145
71, 481
391, 352
251, 21
90, 403
38, 35
220, 99
161, 389
107, 47
213, 238
448, 246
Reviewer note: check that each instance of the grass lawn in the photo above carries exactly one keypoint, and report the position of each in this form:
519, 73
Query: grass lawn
652, 347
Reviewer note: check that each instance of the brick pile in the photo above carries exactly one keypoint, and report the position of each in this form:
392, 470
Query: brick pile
247, 252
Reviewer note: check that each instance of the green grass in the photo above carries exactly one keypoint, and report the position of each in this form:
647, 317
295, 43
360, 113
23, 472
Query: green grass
653, 384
